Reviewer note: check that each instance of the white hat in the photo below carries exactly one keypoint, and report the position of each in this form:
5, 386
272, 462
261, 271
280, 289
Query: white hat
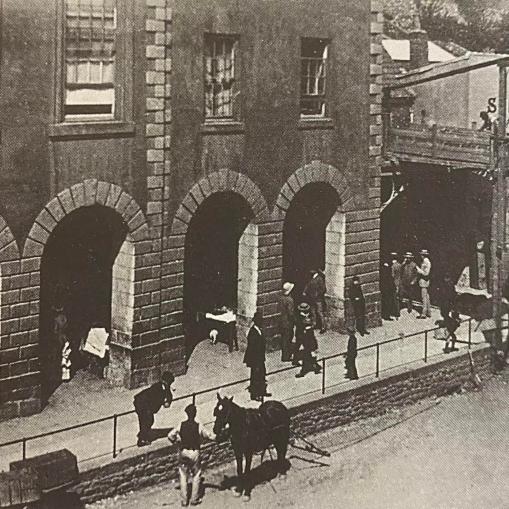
287, 288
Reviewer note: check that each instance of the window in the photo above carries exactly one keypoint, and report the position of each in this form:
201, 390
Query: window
90, 50
313, 56
220, 78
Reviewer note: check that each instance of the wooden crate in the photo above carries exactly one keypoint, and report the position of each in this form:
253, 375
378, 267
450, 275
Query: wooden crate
55, 469
19, 487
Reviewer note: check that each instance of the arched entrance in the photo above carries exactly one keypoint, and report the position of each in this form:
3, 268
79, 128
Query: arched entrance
220, 261
313, 238
87, 256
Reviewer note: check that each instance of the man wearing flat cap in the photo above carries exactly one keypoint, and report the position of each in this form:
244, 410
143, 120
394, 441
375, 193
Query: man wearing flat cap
148, 402
424, 272
190, 437
286, 321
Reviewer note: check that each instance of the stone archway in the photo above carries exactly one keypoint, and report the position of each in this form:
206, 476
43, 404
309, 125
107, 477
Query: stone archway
242, 190
333, 236
81, 199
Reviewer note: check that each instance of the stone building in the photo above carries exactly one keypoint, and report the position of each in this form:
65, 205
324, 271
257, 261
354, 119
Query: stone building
161, 157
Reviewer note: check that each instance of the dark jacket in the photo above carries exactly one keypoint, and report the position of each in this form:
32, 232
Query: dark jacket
447, 293
409, 274
356, 295
351, 349
255, 351
190, 435
287, 310
152, 398
315, 289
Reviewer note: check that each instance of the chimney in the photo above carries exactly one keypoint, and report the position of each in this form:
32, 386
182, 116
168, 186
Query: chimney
418, 48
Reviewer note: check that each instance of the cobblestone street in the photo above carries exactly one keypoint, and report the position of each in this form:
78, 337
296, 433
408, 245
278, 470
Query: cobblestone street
441, 453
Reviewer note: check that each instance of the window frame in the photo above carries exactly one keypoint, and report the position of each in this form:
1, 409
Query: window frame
235, 93
324, 115
123, 77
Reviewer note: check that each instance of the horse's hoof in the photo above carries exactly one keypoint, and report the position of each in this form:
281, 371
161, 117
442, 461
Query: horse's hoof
236, 493
282, 476
246, 498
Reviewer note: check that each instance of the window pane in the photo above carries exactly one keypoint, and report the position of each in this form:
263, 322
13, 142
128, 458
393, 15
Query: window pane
90, 56
219, 76
313, 76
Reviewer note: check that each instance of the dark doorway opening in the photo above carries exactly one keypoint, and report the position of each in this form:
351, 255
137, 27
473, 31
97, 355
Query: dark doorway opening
76, 277
211, 260
304, 233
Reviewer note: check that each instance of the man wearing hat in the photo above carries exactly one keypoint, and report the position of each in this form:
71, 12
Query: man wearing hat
351, 356
148, 402
254, 358
424, 272
306, 340
409, 276
314, 293
190, 436
286, 321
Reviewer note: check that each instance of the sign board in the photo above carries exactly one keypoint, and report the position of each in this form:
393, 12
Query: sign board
95, 343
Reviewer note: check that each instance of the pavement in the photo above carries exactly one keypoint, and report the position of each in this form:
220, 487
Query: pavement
441, 453
87, 398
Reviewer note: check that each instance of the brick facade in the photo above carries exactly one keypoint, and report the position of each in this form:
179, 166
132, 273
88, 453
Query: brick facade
157, 197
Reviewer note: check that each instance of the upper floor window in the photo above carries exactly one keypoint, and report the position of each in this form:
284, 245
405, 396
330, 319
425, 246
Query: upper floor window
90, 52
313, 75
220, 76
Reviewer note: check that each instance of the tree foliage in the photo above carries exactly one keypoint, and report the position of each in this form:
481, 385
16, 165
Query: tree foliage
478, 25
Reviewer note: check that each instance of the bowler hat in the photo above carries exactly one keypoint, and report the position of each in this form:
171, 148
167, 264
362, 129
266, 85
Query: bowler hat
304, 307
424, 252
287, 288
408, 254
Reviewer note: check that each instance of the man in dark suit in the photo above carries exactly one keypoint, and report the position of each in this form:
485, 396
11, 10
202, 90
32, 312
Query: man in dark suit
286, 321
359, 305
351, 356
148, 402
254, 358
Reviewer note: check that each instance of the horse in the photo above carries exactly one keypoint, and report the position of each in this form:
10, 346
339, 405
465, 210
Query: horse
252, 430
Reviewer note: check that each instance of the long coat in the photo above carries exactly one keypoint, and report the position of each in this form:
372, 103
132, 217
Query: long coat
255, 351
287, 310
315, 289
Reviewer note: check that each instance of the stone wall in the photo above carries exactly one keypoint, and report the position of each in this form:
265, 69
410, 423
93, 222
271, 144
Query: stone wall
367, 398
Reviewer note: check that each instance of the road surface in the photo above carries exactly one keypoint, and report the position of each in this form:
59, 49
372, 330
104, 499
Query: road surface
450, 453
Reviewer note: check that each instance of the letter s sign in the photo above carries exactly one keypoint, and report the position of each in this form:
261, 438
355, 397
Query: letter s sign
492, 105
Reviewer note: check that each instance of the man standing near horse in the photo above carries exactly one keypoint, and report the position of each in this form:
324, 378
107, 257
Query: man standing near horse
148, 402
254, 358
305, 336
190, 437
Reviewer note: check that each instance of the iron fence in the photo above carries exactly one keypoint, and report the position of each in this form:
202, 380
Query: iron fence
324, 361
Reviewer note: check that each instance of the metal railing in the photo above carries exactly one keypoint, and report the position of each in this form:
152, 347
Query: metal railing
193, 396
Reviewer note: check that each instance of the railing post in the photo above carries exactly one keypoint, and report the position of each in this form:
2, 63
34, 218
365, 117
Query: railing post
115, 418
469, 332
426, 346
377, 360
323, 376
194, 398
24, 444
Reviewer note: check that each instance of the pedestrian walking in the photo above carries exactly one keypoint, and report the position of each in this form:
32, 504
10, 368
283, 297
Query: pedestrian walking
409, 276
396, 277
148, 402
286, 321
424, 272
351, 356
388, 291
254, 358
306, 339
190, 437
451, 323
446, 296
359, 305
314, 293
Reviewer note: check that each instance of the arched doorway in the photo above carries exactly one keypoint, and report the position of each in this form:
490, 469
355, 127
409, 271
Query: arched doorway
220, 250
85, 252
313, 238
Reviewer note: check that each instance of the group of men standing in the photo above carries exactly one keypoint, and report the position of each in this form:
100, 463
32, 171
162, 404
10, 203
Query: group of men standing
399, 281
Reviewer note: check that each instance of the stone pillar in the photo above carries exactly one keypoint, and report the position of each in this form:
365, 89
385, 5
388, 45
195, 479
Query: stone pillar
418, 48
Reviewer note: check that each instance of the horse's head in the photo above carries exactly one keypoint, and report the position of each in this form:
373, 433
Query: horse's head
222, 413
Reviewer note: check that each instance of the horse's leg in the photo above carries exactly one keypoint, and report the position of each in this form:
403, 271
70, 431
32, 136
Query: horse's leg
281, 448
238, 489
247, 477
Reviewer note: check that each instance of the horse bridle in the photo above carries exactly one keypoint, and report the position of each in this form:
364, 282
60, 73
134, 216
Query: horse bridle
225, 431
